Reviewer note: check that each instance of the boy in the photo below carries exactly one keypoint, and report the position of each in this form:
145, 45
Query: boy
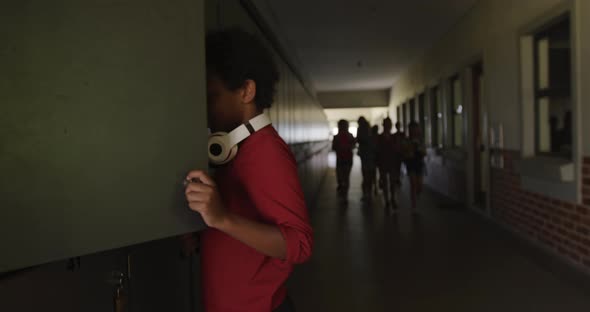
414, 159
367, 155
254, 207
343, 144
389, 161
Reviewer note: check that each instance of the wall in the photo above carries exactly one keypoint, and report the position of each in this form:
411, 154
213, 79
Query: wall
353, 99
491, 33
559, 226
480, 36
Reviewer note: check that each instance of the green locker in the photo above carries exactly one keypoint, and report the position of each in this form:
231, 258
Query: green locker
102, 113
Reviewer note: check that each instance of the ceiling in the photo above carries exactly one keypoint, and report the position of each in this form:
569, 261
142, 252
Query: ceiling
361, 45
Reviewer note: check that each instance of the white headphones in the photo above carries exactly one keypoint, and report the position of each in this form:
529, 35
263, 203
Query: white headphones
223, 147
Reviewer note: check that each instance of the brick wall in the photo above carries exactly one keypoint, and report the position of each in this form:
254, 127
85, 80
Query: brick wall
561, 226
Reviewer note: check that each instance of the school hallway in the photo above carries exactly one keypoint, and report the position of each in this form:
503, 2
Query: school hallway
107, 105
447, 259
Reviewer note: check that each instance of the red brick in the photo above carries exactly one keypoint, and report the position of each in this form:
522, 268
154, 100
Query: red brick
586, 201
587, 160
583, 230
586, 181
586, 170
582, 211
563, 214
568, 243
576, 218
574, 256
576, 238
568, 206
587, 263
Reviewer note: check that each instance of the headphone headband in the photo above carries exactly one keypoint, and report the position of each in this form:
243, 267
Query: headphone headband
223, 147
240, 133
259, 122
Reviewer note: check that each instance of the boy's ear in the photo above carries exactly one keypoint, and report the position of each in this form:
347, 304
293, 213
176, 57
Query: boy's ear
248, 93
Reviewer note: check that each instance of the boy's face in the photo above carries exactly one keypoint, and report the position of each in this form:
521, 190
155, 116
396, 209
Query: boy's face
343, 127
224, 106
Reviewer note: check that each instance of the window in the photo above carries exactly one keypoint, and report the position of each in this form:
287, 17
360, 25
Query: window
552, 80
399, 114
436, 117
457, 111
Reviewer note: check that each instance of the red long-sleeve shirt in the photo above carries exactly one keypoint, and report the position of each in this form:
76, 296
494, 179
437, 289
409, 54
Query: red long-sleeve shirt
261, 184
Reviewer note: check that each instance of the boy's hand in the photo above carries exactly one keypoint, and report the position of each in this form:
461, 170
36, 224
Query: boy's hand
204, 198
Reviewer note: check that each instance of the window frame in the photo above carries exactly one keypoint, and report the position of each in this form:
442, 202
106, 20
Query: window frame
550, 92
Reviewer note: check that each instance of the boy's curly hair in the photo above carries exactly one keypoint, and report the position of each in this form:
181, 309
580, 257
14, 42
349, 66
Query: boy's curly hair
235, 56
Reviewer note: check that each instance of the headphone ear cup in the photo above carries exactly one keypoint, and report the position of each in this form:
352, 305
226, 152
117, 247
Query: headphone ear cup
217, 148
232, 154
219, 151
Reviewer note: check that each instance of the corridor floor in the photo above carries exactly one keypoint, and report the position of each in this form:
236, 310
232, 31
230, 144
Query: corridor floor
444, 260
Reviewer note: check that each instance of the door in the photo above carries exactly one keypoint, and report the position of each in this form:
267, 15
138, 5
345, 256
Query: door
93, 158
479, 146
